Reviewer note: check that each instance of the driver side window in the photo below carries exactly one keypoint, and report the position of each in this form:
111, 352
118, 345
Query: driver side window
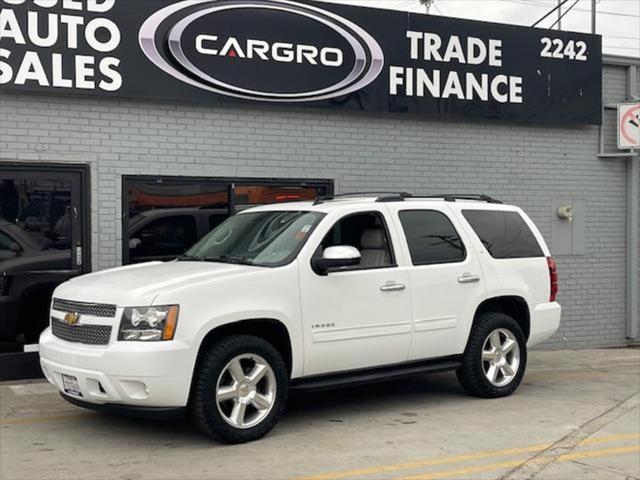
368, 233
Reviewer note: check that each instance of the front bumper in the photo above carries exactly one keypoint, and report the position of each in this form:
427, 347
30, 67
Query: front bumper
154, 374
155, 413
545, 321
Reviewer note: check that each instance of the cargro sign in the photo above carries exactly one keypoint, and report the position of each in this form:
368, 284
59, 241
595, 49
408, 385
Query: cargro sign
299, 52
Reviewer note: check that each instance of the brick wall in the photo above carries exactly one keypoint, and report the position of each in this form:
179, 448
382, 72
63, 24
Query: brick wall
523, 164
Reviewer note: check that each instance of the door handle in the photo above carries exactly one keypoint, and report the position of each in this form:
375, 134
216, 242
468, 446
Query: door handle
393, 287
468, 278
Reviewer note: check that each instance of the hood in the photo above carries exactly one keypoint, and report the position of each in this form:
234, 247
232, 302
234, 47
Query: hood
139, 285
44, 260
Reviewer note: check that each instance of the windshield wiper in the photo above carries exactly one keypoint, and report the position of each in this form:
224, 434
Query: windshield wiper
189, 258
229, 259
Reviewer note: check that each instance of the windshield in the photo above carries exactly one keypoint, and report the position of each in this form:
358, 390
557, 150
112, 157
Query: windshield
264, 239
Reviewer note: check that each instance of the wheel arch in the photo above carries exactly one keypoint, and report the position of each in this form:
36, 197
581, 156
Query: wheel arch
513, 305
271, 330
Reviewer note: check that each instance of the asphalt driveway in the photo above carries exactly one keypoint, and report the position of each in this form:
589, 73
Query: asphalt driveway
577, 415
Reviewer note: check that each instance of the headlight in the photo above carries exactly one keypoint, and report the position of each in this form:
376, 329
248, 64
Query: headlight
149, 323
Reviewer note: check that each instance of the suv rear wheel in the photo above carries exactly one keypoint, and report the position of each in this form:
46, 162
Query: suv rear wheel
496, 357
240, 389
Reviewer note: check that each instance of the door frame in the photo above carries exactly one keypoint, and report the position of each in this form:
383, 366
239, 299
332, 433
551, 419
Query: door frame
232, 182
85, 197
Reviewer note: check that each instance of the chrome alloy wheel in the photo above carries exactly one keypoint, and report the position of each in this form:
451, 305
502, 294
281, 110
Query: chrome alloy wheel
500, 357
246, 391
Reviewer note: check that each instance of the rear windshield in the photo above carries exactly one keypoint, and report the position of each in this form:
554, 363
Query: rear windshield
504, 234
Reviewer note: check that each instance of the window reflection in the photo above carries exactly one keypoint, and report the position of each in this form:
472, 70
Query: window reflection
39, 210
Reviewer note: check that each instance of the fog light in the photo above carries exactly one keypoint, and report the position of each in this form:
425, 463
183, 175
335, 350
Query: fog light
135, 389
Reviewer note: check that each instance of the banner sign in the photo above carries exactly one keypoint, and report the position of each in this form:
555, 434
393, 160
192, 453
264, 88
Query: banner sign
301, 53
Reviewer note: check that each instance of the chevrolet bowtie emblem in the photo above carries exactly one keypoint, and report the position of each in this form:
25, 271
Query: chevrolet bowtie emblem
71, 318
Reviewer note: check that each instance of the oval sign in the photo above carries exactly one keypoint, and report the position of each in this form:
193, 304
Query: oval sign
267, 50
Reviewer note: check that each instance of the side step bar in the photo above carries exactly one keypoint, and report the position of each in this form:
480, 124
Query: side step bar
373, 375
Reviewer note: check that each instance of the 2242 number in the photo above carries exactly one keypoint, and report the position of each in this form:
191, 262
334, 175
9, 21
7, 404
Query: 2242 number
556, 48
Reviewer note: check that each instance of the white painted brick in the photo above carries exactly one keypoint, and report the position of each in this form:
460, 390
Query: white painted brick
522, 164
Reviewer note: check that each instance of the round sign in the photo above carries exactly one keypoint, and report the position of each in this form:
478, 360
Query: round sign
629, 126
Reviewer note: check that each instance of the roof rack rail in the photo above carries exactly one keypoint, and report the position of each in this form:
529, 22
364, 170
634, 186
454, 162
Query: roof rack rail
401, 196
382, 195
452, 197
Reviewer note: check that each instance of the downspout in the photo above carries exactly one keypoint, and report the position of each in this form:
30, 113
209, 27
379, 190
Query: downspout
633, 201
633, 219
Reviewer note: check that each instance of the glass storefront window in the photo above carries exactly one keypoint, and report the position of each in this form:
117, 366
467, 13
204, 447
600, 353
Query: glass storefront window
39, 211
41, 245
169, 215
247, 196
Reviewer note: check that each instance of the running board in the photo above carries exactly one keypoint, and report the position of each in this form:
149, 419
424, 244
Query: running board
373, 375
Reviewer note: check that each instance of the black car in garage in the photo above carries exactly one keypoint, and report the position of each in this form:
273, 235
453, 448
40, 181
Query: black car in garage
30, 268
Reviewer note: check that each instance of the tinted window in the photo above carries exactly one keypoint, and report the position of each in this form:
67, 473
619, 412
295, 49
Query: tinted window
163, 238
431, 237
504, 234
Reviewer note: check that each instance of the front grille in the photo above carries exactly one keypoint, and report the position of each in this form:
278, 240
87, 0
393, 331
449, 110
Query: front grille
93, 309
87, 334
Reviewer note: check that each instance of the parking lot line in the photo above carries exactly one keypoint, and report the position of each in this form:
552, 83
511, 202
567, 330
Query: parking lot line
514, 463
462, 458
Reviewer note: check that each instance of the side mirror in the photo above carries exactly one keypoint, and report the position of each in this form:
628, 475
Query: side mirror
134, 243
15, 248
335, 258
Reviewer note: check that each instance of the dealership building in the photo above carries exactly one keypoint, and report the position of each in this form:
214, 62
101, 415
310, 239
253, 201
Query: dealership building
139, 159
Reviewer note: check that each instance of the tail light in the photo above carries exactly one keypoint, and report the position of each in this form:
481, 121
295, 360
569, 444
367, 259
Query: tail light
553, 277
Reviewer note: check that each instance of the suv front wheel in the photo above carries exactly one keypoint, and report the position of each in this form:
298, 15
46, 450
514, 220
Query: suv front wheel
240, 389
496, 357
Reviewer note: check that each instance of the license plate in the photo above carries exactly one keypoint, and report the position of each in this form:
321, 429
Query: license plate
71, 385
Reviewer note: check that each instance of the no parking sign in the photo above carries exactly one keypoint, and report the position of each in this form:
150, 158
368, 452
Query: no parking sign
628, 126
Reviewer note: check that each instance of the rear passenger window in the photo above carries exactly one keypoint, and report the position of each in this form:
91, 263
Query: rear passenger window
504, 234
431, 237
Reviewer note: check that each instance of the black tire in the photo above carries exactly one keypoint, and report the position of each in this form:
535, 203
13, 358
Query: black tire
203, 409
471, 374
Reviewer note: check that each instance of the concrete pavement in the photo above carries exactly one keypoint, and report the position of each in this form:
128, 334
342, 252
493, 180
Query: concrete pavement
576, 415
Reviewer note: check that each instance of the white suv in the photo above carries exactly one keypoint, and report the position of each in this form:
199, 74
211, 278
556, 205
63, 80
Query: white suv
305, 296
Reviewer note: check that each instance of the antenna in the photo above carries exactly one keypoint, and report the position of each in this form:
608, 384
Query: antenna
427, 4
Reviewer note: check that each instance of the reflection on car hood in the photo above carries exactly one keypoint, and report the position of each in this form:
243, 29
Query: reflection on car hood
139, 285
